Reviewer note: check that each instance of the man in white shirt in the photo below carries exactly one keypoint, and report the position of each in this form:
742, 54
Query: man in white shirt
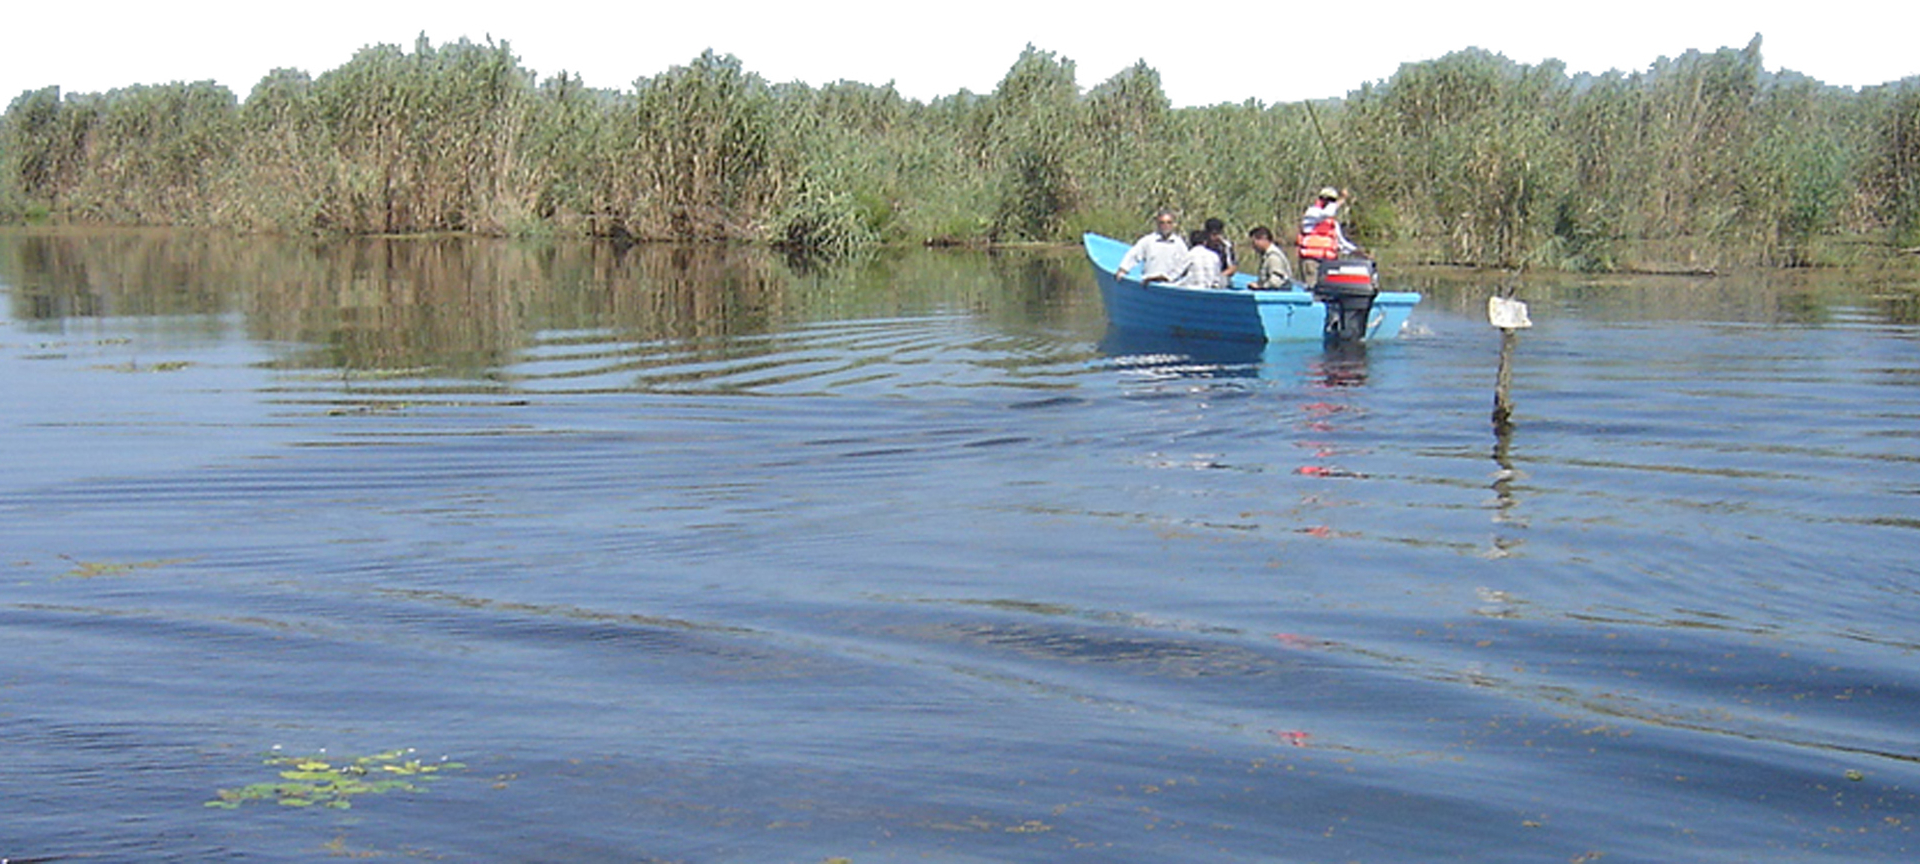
1204, 268
1162, 255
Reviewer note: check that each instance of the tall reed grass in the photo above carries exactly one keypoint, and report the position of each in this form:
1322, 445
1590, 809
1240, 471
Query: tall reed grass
1470, 158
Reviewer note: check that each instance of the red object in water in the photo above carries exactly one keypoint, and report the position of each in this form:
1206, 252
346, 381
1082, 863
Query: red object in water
1324, 471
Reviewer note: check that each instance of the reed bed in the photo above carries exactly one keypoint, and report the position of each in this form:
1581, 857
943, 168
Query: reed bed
1470, 158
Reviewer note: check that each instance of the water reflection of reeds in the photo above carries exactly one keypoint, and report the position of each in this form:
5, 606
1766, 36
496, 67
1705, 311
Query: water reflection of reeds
1765, 297
467, 308
490, 313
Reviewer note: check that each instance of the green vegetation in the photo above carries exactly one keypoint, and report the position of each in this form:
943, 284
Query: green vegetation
96, 569
308, 781
1700, 161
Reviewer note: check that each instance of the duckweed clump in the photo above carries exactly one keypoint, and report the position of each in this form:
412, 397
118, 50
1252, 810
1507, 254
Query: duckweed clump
317, 781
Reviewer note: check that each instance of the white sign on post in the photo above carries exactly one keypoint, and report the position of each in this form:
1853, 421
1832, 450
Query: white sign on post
1507, 314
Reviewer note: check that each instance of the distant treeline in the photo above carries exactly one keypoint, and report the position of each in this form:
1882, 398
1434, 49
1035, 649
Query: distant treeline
1703, 160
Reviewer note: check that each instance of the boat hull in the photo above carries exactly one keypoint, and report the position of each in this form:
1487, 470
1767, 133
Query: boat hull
1235, 314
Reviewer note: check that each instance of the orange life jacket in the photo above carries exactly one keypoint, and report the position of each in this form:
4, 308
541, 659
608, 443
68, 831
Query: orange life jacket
1322, 242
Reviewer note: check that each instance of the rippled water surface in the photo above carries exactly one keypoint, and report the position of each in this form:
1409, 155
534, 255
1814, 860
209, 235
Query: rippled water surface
689, 555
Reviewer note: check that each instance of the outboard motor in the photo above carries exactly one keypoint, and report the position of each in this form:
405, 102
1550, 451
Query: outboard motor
1347, 288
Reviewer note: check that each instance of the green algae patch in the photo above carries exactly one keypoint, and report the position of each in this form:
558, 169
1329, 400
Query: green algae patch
136, 367
320, 781
97, 569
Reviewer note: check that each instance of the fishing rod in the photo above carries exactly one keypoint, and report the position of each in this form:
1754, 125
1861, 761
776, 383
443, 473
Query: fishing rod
1333, 161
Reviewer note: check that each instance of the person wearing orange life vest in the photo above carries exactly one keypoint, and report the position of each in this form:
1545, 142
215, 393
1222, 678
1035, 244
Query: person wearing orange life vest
1320, 236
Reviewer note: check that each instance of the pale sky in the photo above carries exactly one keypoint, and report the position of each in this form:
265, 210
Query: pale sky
1258, 51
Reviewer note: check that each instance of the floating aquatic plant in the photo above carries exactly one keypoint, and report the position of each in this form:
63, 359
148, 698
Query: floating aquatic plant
136, 366
318, 781
95, 569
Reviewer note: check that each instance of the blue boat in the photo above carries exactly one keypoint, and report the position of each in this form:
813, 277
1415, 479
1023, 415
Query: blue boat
1236, 314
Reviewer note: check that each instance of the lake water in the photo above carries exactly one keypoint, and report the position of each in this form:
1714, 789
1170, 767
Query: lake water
684, 554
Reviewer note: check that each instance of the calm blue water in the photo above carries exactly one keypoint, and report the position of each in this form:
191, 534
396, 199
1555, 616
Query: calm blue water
725, 562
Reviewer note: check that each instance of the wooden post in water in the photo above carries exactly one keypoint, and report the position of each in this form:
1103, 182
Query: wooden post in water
1503, 382
1510, 316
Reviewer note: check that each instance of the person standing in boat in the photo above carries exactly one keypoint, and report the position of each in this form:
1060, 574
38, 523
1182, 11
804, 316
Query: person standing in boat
1320, 235
1203, 268
1275, 273
1161, 255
